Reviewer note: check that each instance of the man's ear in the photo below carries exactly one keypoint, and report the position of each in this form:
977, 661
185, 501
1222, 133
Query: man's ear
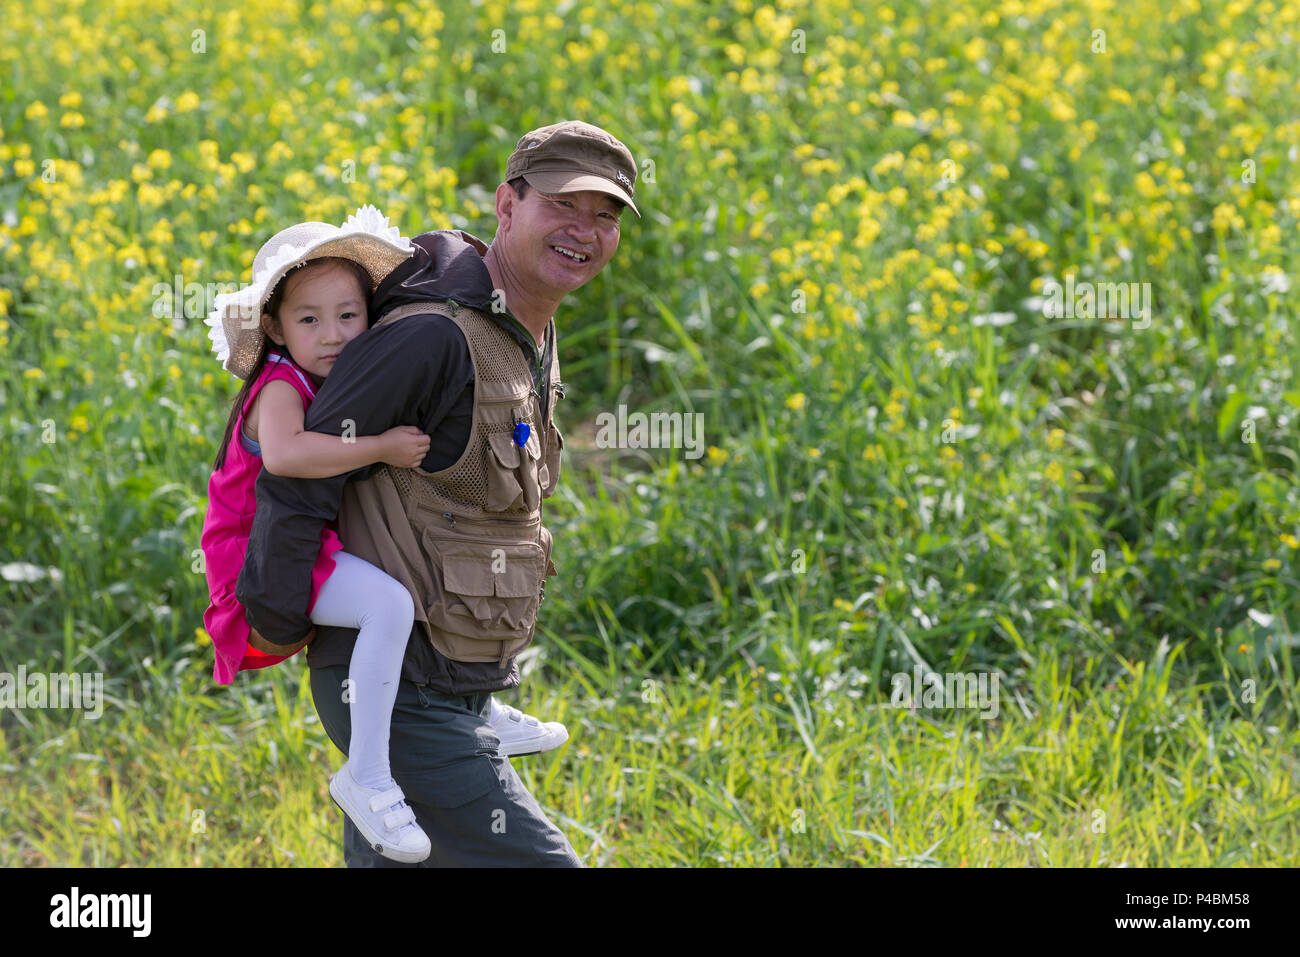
506, 199
272, 328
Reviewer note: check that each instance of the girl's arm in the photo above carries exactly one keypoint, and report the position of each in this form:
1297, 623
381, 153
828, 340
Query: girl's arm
290, 451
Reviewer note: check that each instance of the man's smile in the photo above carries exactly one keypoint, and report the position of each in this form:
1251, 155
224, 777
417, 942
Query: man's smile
571, 254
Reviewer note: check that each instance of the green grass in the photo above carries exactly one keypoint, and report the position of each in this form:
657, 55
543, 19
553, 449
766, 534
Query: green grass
744, 769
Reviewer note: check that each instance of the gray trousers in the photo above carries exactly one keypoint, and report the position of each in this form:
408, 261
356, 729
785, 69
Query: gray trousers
469, 801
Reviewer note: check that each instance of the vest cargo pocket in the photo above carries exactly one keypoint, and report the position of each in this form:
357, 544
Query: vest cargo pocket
550, 470
548, 547
486, 598
504, 490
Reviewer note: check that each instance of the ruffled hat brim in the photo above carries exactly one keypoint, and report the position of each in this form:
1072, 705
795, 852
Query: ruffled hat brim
235, 326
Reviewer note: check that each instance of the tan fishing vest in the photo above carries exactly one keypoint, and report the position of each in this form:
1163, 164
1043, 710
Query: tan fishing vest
468, 541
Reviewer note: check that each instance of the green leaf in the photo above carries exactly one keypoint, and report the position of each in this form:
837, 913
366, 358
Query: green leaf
1228, 414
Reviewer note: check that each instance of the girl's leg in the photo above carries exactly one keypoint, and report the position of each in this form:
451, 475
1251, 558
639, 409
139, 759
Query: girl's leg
359, 595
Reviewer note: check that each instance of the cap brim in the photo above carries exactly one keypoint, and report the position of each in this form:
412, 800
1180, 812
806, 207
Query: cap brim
564, 181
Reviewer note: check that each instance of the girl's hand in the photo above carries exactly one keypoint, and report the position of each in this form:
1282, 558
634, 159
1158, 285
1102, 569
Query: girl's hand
404, 447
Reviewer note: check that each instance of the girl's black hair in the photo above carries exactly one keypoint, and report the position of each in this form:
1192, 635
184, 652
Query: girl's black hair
273, 307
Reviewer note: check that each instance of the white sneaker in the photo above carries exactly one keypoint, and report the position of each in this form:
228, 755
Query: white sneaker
383, 817
522, 733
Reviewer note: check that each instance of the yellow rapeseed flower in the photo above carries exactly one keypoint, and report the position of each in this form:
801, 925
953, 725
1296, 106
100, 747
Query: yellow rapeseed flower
187, 101
36, 110
299, 181
209, 154
717, 456
796, 401
279, 150
685, 116
160, 234
677, 87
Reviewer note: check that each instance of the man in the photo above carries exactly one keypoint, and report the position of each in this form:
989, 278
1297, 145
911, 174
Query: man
464, 349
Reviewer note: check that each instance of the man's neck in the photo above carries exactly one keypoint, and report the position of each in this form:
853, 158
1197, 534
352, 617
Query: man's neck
533, 312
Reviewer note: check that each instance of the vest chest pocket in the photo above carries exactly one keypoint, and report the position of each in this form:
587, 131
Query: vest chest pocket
504, 490
530, 472
514, 473
484, 590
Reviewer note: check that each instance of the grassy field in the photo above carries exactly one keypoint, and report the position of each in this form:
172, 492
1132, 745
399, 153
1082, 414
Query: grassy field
851, 222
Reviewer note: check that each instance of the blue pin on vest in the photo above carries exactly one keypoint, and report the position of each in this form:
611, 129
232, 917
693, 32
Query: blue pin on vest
522, 431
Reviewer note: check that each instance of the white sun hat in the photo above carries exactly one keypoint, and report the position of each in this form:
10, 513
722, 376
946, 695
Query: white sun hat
236, 318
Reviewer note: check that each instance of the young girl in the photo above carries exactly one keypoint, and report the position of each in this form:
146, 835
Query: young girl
309, 298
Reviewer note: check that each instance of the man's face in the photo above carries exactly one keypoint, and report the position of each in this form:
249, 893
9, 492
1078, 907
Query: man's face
546, 229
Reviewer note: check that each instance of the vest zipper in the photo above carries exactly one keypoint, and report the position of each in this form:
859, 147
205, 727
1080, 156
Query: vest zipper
452, 520
492, 541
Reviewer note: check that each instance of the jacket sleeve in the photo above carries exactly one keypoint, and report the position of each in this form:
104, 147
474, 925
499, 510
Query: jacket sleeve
390, 376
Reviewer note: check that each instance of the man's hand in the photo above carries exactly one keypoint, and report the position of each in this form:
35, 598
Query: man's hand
404, 447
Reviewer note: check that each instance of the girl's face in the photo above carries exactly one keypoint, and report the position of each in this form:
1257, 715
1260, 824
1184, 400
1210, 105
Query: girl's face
323, 309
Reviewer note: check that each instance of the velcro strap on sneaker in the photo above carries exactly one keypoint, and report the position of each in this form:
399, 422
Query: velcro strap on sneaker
387, 799
399, 817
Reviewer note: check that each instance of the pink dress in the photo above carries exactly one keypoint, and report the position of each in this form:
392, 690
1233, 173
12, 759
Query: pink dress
232, 502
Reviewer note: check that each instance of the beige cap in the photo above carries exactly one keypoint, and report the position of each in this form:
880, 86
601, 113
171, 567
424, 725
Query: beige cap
572, 156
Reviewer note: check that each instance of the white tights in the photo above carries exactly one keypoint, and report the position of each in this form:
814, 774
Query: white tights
359, 595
